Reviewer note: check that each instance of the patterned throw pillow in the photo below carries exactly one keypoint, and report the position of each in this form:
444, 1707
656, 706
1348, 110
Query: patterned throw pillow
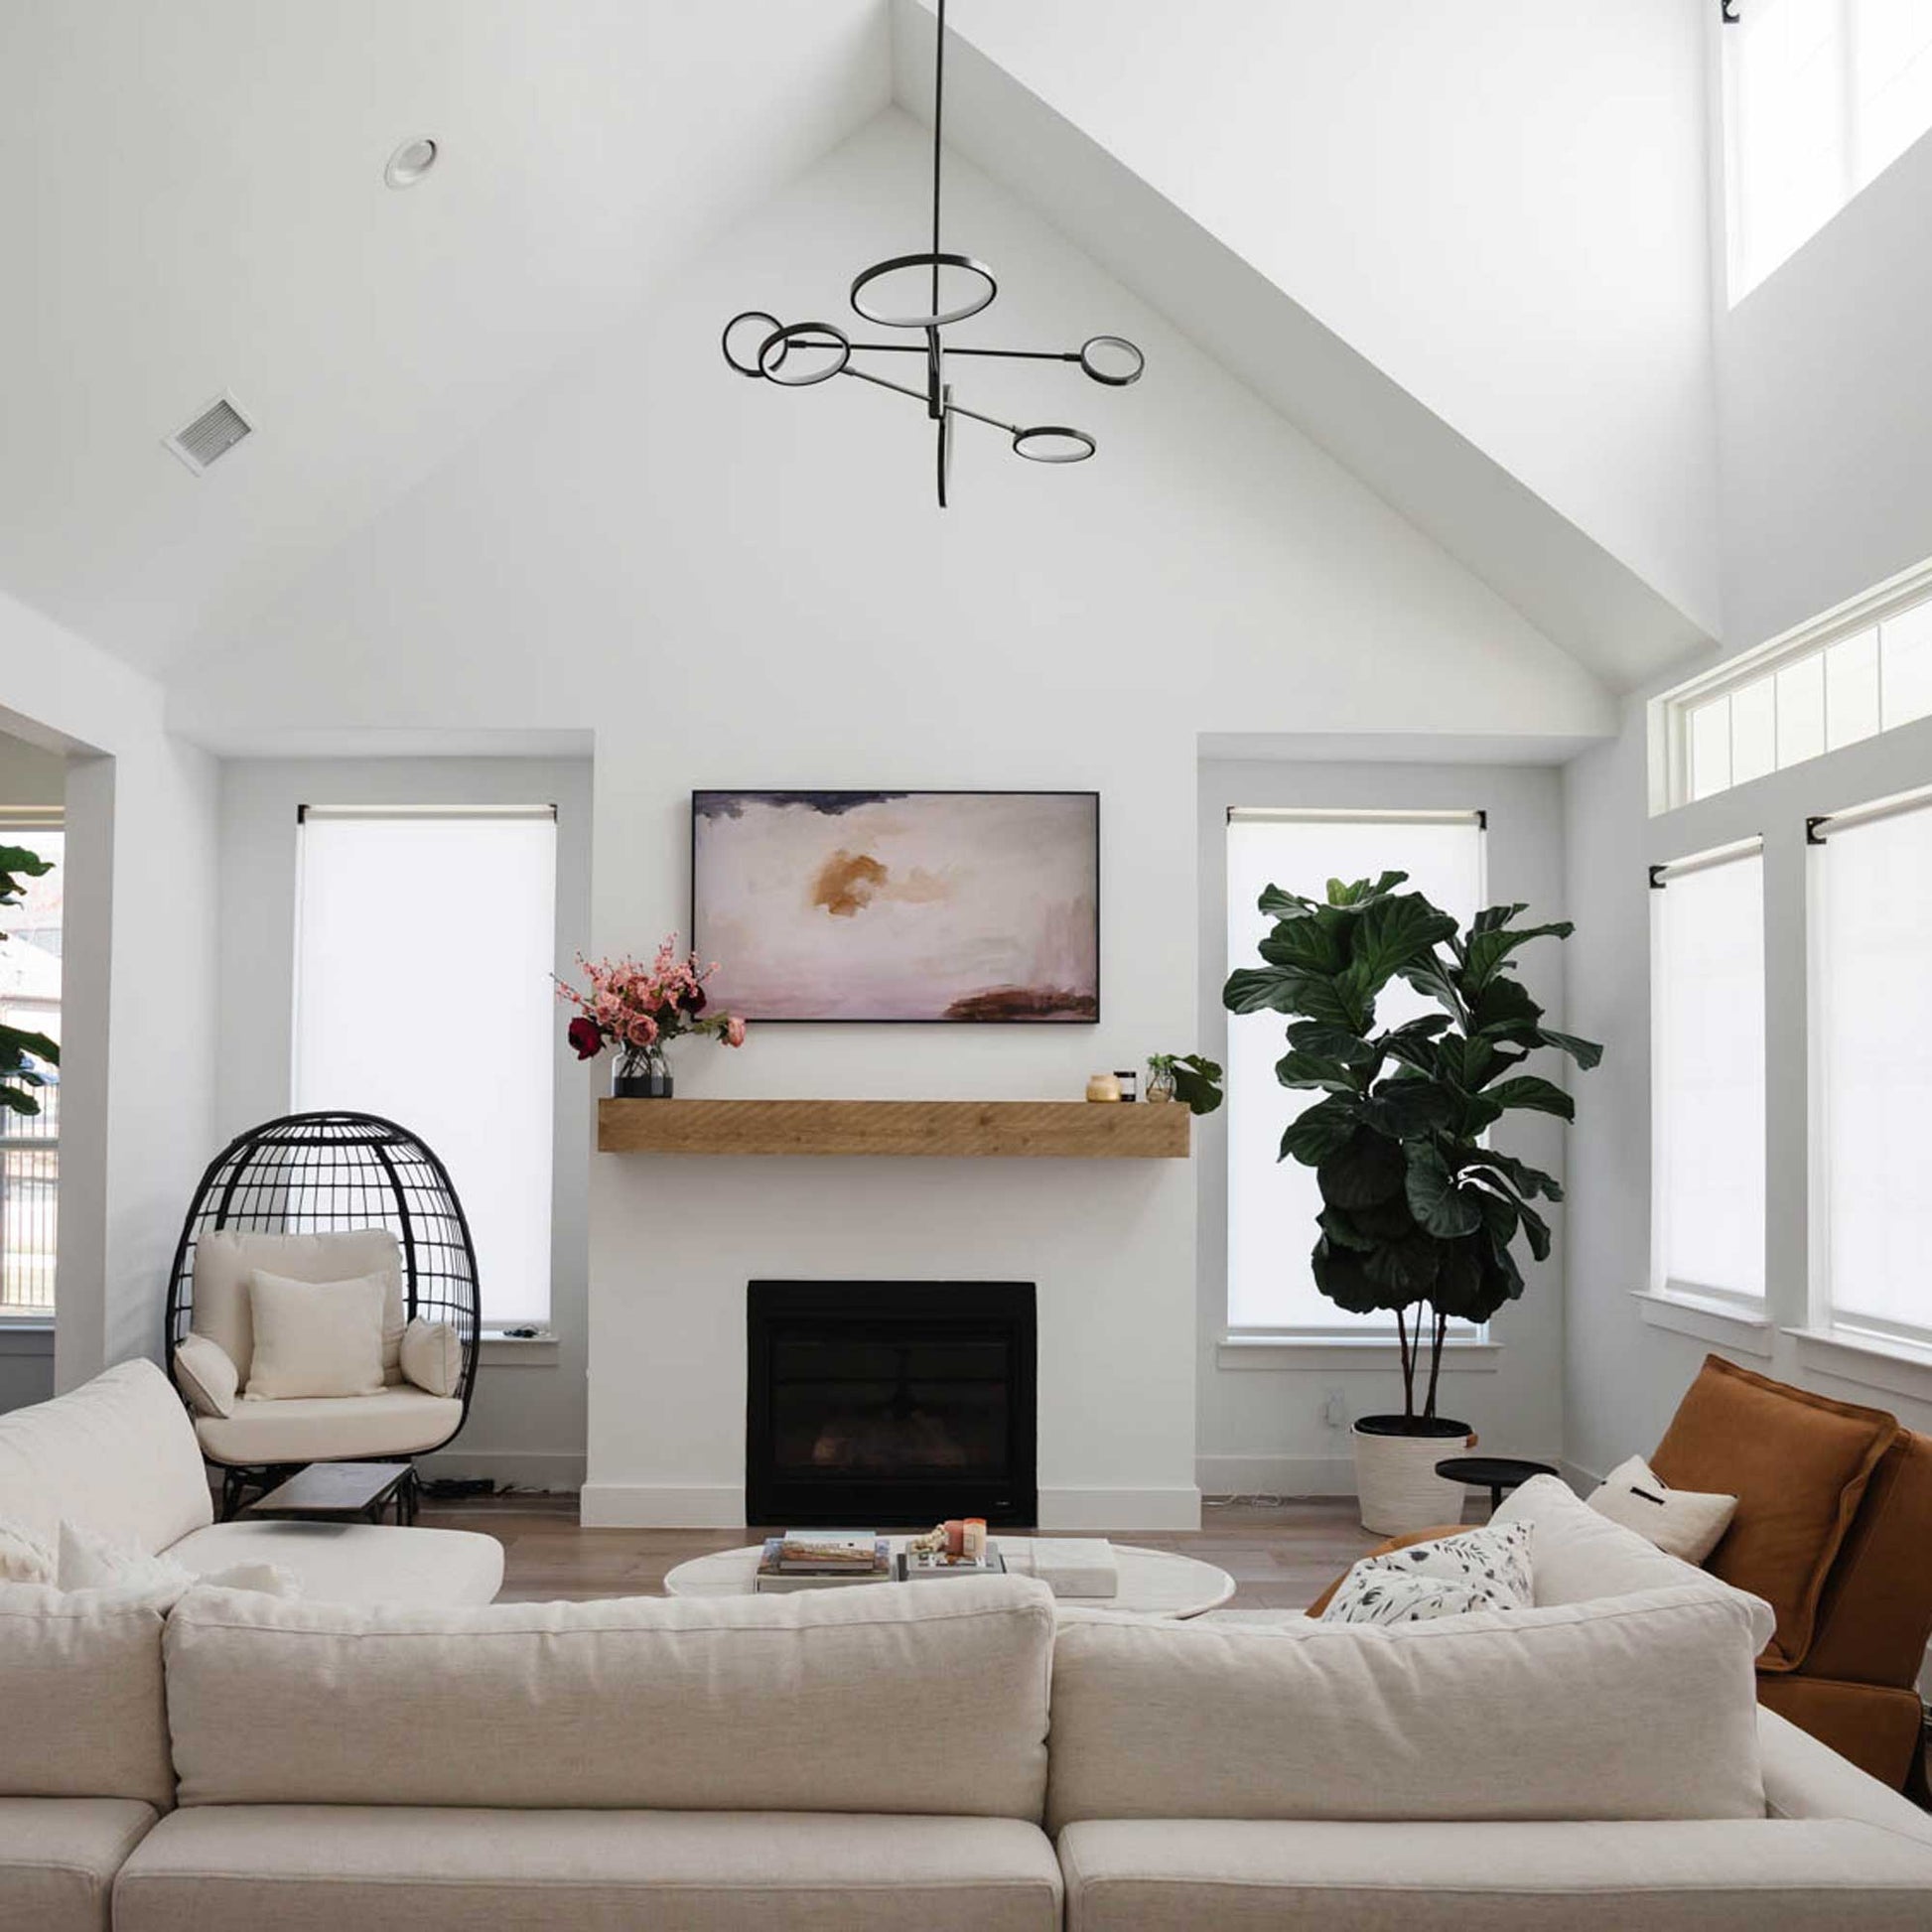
1481, 1569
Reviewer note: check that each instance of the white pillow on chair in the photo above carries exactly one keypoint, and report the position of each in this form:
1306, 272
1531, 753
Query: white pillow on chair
205, 1376
1686, 1523
316, 1338
432, 1356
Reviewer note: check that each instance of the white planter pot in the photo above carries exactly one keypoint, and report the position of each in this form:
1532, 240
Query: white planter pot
1397, 1485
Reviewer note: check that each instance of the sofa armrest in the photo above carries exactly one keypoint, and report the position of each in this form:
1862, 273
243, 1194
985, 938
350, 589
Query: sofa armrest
1806, 1779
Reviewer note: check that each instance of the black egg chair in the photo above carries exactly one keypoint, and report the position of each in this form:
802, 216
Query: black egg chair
331, 1172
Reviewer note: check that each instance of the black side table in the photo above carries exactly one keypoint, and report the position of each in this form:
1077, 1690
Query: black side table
1495, 1473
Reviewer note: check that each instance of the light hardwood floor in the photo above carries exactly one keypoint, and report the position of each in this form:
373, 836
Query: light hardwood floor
1279, 1555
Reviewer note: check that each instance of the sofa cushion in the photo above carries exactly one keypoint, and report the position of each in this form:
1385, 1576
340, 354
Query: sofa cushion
1577, 1554
1639, 1706
314, 1339
1731, 1874
58, 1858
1798, 1464
116, 1455
356, 1562
303, 1870
321, 1428
879, 1698
83, 1712
226, 1258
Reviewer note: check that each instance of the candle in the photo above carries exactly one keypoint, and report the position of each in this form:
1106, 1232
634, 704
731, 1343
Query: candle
976, 1538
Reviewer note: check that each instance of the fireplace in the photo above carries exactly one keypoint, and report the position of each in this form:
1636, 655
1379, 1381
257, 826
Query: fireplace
889, 1404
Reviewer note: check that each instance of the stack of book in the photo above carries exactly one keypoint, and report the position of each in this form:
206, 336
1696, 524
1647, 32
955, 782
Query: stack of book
821, 1559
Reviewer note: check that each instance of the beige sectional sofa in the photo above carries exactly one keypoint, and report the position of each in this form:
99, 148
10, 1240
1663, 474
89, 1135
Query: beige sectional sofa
119, 1457
950, 1756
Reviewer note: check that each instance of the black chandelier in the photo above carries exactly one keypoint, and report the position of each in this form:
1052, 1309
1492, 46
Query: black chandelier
798, 354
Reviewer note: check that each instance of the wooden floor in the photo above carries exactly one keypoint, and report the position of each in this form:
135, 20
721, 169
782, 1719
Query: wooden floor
1279, 1555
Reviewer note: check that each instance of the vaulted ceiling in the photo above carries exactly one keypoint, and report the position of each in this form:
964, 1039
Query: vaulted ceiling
192, 200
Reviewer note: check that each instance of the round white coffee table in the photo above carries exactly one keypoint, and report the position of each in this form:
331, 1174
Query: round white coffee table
1152, 1583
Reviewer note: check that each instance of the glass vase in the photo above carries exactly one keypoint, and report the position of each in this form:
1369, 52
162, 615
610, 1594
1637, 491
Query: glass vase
640, 1073
1159, 1083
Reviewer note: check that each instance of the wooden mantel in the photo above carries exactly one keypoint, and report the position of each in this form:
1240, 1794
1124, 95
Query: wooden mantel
948, 1129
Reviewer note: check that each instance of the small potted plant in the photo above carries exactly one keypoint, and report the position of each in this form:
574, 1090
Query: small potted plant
1184, 1076
637, 1011
1418, 1213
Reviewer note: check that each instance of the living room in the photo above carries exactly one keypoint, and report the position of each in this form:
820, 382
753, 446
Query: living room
1475, 443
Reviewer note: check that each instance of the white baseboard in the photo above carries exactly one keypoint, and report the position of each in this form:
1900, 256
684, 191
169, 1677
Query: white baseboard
1177, 1508
509, 1469
1274, 1476
661, 1506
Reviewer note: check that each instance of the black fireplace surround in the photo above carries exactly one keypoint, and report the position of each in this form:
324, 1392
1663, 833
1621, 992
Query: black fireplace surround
889, 1404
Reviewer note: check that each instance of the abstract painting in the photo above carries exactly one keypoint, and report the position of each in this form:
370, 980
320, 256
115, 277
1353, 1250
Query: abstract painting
957, 905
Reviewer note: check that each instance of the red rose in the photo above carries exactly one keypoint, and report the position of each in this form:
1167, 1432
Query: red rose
583, 1035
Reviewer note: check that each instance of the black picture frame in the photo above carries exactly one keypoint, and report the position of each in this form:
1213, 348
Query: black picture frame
792, 794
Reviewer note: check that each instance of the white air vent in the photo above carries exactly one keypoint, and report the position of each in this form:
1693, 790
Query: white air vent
211, 435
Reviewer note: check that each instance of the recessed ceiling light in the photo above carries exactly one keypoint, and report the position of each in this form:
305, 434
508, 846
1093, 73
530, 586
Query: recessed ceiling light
410, 163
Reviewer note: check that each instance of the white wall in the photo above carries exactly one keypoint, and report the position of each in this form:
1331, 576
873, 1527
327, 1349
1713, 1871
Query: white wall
1262, 1422
526, 1424
1623, 1376
138, 982
1499, 202
1825, 399
736, 584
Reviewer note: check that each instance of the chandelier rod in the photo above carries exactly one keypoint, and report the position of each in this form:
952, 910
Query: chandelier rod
938, 116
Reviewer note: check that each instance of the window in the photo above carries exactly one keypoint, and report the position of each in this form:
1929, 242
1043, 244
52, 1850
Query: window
1861, 669
30, 1144
1272, 1204
1706, 991
424, 946
1871, 927
1820, 96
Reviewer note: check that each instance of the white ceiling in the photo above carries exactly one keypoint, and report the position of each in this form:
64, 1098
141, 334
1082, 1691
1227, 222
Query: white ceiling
191, 201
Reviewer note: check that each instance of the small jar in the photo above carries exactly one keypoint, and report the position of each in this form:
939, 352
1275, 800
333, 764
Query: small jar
1129, 1082
1103, 1086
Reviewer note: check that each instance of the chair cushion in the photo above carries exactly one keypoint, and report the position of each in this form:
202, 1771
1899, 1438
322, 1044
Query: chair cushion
1798, 1464
1732, 1875
117, 1454
304, 1869
788, 1702
432, 1356
205, 1376
314, 1339
1684, 1523
58, 1858
356, 1562
226, 1258
1639, 1706
330, 1428
82, 1711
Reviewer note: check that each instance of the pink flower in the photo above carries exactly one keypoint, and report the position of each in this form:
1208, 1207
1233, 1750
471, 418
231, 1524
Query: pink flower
734, 1030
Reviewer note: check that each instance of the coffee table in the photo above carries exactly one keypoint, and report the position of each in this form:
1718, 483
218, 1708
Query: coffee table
1152, 1583
342, 1493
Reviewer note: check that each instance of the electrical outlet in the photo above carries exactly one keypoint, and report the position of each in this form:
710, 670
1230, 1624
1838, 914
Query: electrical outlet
1334, 1411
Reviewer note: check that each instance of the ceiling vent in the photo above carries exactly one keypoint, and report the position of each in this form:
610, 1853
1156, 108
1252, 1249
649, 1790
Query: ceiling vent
211, 435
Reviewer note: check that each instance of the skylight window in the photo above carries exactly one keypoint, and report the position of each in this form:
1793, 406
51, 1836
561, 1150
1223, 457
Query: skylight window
1821, 97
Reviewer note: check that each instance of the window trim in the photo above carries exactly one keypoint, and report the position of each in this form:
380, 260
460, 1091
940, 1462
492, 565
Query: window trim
1739, 1316
1670, 711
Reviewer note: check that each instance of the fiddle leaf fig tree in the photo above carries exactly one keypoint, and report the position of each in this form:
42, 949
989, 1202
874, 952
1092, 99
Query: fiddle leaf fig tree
1418, 1217
22, 1054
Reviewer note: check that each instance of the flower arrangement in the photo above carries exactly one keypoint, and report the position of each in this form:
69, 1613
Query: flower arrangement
637, 1011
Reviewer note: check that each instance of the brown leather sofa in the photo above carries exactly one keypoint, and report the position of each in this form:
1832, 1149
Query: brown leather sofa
1834, 1529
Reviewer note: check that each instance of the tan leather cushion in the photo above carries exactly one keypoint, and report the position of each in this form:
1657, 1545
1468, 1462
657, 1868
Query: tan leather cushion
58, 1858
83, 1712
888, 1698
1636, 1707
1798, 1464
355, 1868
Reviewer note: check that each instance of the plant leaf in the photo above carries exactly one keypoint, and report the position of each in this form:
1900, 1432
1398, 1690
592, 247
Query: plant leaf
1306, 946
1365, 1170
1198, 1082
1440, 1206
1262, 989
1403, 1108
1408, 1267
1321, 1131
1523, 1180
1314, 1071
1540, 1096
1394, 932
1317, 1037
1585, 1052
1340, 1275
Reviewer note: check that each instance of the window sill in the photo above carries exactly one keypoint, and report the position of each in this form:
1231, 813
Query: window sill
1717, 1322
520, 1351
1896, 1367
1345, 1352
33, 1336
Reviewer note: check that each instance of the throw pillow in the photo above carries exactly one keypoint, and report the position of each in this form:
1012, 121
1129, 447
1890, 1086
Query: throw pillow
24, 1558
1481, 1570
1685, 1523
314, 1339
205, 1376
90, 1562
432, 1356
